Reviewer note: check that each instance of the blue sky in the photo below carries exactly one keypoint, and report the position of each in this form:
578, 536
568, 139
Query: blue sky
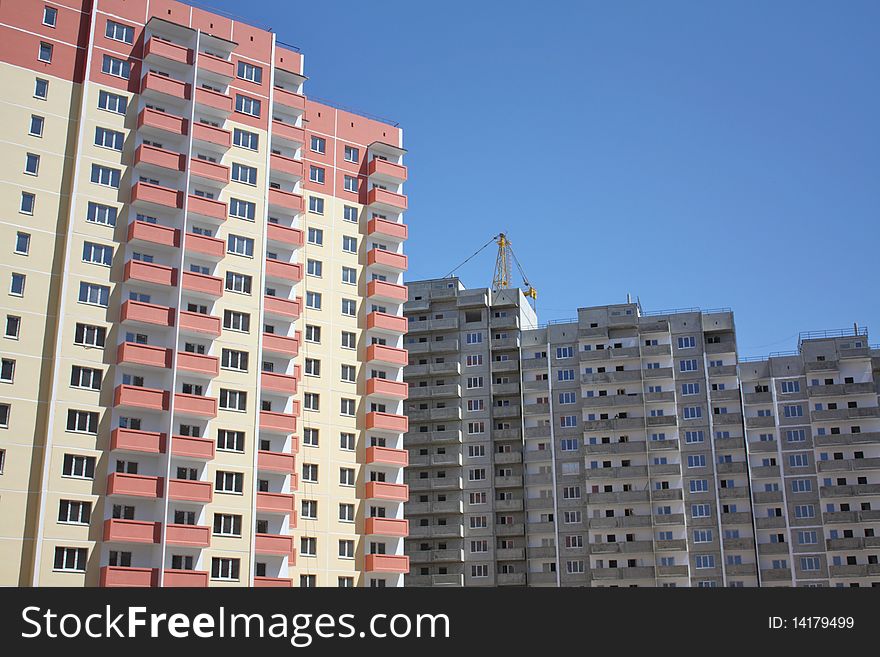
690, 153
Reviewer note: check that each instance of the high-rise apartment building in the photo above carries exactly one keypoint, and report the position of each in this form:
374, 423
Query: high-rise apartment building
202, 343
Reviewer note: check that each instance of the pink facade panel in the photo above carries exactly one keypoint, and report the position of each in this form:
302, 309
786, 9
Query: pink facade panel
185, 579
386, 322
170, 123
128, 577
281, 344
276, 462
386, 388
198, 323
198, 363
148, 399
147, 193
195, 405
203, 284
154, 234
380, 490
188, 535
285, 235
132, 485
132, 353
388, 456
186, 490
386, 527
130, 440
132, 531
212, 135
159, 157
283, 383
146, 313
385, 228
191, 447
387, 422
205, 246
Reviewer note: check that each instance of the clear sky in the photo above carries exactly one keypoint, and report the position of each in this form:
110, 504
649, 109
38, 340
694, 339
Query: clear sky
691, 153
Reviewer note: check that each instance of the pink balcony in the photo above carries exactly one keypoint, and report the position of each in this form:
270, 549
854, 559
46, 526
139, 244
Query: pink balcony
290, 99
148, 399
276, 462
132, 485
387, 260
387, 422
129, 440
383, 290
281, 345
132, 353
219, 67
385, 170
202, 285
132, 531
150, 273
195, 405
386, 388
159, 158
211, 135
387, 563
198, 323
282, 383
276, 503
275, 544
386, 527
204, 246
198, 363
157, 48
386, 322
388, 229
210, 171
277, 422
188, 535
383, 199
381, 353
154, 84
127, 577
146, 313
286, 200
272, 582
288, 133
185, 490
140, 232
214, 100
163, 122
284, 235
190, 447
288, 272
289, 309
185, 579
206, 208
380, 490
388, 456
285, 167
165, 197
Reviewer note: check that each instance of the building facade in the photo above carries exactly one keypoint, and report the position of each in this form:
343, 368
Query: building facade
202, 350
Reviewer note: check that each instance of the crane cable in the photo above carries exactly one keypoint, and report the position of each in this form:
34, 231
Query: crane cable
473, 255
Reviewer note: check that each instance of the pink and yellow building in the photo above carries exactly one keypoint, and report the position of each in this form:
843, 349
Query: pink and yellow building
202, 347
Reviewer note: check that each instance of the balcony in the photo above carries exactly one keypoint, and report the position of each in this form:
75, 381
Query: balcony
386, 322
384, 291
276, 462
216, 67
190, 447
161, 123
149, 273
289, 237
136, 397
202, 285
206, 247
288, 201
213, 102
143, 355
272, 582
285, 384
185, 579
200, 364
282, 503
284, 272
276, 545
127, 577
387, 456
187, 490
132, 531
194, 536
156, 196
387, 389
138, 312
159, 159
197, 323
383, 200
286, 309
161, 51
130, 440
206, 208
140, 232
132, 485
195, 405
207, 171
387, 422
386, 527
386, 260
387, 563
208, 134
281, 345
274, 422
387, 229
380, 353
290, 99
385, 171
380, 490
162, 88
285, 168
289, 134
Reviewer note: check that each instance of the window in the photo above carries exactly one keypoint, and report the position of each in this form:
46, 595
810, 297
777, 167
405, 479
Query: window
100, 254
250, 72
311, 401
690, 388
70, 559
310, 472
689, 365
230, 441
245, 139
226, 524
229, 482
244, 174
105, 176
225, 568
28, 201
246, 105
82, 421
348, 340
94, 294
36, 126
351, 154
45, 53
810, 563
696, 460
313, 300
236, 321
318, 145
807, 538
796, 435
41, 89
801, 486
112, 102
699, 485
313, 333
346, 476
119, 32
89, 336
101, 214
242, 209
349, 276
350, 184
7, 370
705, 561
13, 325
116, 67
309, 509
85, 377
347, 407
78, 467
349, 307
310, 437
234, 360
233, 400
109, 139
692, 412
32, 164
243, 246
50, 16
564, 352
308, 546
74, 512
565, 375
687, 342
316, 174
702, 536
349, 244
350, 213
316, 236
240, 283
793, 410
791, 386
474, 338
312, 367
348, 373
